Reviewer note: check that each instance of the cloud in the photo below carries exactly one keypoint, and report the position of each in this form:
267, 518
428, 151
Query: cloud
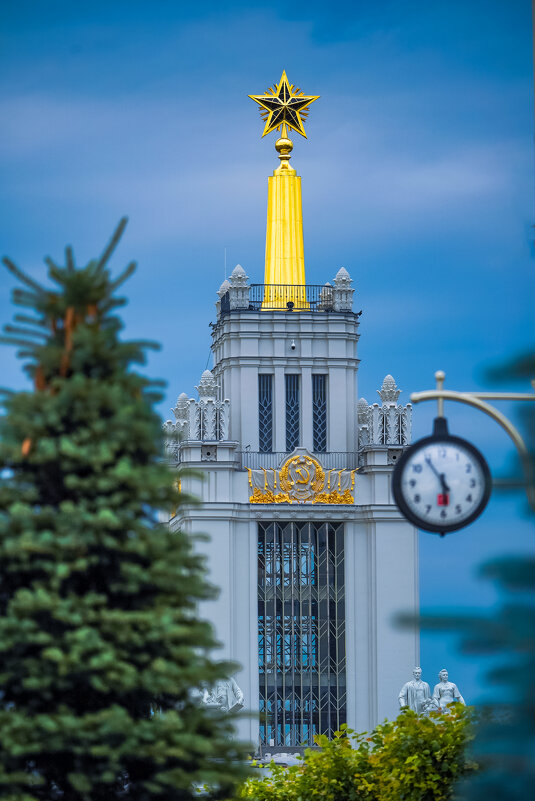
141, 156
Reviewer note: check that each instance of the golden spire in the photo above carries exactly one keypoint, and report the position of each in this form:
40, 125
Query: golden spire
284, 107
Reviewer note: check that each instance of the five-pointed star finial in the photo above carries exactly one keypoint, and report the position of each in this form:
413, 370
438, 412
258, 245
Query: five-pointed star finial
283, 106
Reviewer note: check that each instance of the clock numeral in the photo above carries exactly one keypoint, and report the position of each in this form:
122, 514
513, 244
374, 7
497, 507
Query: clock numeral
417, 468
412, 482
428, 508
458, 509
443, 513
472, 482
442, 453
469, 498
468, 467
417, 499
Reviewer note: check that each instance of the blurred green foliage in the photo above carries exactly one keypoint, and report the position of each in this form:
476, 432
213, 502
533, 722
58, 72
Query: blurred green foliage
412, 758
505, 743
100, 644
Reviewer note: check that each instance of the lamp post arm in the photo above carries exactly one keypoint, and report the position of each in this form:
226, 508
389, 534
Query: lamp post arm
474, 399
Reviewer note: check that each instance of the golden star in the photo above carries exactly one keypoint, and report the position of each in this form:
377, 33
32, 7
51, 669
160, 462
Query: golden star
283, 106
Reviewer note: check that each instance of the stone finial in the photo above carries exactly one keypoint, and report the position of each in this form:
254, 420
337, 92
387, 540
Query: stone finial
223, 288
170, 436
326, 297
342, 279
182, 406
238, 289
207, 388
342, 292
238, 277
363, 421
389, 393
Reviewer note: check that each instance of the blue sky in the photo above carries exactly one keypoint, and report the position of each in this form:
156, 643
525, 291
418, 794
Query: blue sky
417, 177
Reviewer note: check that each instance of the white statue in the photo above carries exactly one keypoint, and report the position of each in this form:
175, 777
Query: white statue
446, 692
430, 706
416, 693
224, 695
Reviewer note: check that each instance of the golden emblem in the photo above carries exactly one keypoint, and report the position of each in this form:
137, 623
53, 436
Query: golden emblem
303, 476
301, 479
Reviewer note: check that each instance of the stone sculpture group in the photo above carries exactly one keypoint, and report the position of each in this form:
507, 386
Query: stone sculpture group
224, 695
416, 694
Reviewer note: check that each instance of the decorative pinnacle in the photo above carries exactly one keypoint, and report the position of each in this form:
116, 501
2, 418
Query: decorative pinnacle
284, 107
389, 392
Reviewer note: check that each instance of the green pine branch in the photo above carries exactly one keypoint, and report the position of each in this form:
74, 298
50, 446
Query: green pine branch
98, 603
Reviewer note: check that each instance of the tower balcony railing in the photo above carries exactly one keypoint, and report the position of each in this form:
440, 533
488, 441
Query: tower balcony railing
286, 297
299, 297
237, 294
335, 460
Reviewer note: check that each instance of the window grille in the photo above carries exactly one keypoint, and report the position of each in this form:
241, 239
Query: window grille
292, 412
265, 413
301, 631
319, 413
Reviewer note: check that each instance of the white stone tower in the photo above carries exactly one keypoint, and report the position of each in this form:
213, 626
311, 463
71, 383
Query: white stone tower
312, 558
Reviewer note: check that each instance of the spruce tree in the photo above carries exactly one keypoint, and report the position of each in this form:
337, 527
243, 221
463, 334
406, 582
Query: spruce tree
100, 643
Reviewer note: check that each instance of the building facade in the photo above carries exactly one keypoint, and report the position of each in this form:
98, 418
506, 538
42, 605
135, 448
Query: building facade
311, 556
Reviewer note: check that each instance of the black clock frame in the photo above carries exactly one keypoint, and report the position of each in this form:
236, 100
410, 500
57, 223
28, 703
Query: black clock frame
440, 434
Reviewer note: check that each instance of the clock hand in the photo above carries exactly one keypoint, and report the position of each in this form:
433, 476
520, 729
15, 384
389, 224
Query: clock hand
441, 477
432, 466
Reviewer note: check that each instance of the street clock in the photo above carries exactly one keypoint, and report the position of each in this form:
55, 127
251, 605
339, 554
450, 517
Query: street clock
442, 482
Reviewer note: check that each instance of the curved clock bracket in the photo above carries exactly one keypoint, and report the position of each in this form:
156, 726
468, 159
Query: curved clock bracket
478, 401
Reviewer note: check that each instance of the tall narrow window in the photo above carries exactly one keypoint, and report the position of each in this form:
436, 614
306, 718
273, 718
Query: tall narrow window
319, 413
301, 631
265, 413
292, 412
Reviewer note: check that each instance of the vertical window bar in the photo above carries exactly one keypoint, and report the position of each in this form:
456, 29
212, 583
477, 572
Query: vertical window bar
319, 413
292, 412
265, 413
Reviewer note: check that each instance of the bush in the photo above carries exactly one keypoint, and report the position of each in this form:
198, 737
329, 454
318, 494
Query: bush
412, 758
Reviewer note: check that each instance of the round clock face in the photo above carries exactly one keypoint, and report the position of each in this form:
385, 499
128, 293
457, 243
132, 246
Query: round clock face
441, 483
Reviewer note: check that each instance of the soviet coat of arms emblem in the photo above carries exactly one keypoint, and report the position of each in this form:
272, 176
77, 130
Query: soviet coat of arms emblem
301, 479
